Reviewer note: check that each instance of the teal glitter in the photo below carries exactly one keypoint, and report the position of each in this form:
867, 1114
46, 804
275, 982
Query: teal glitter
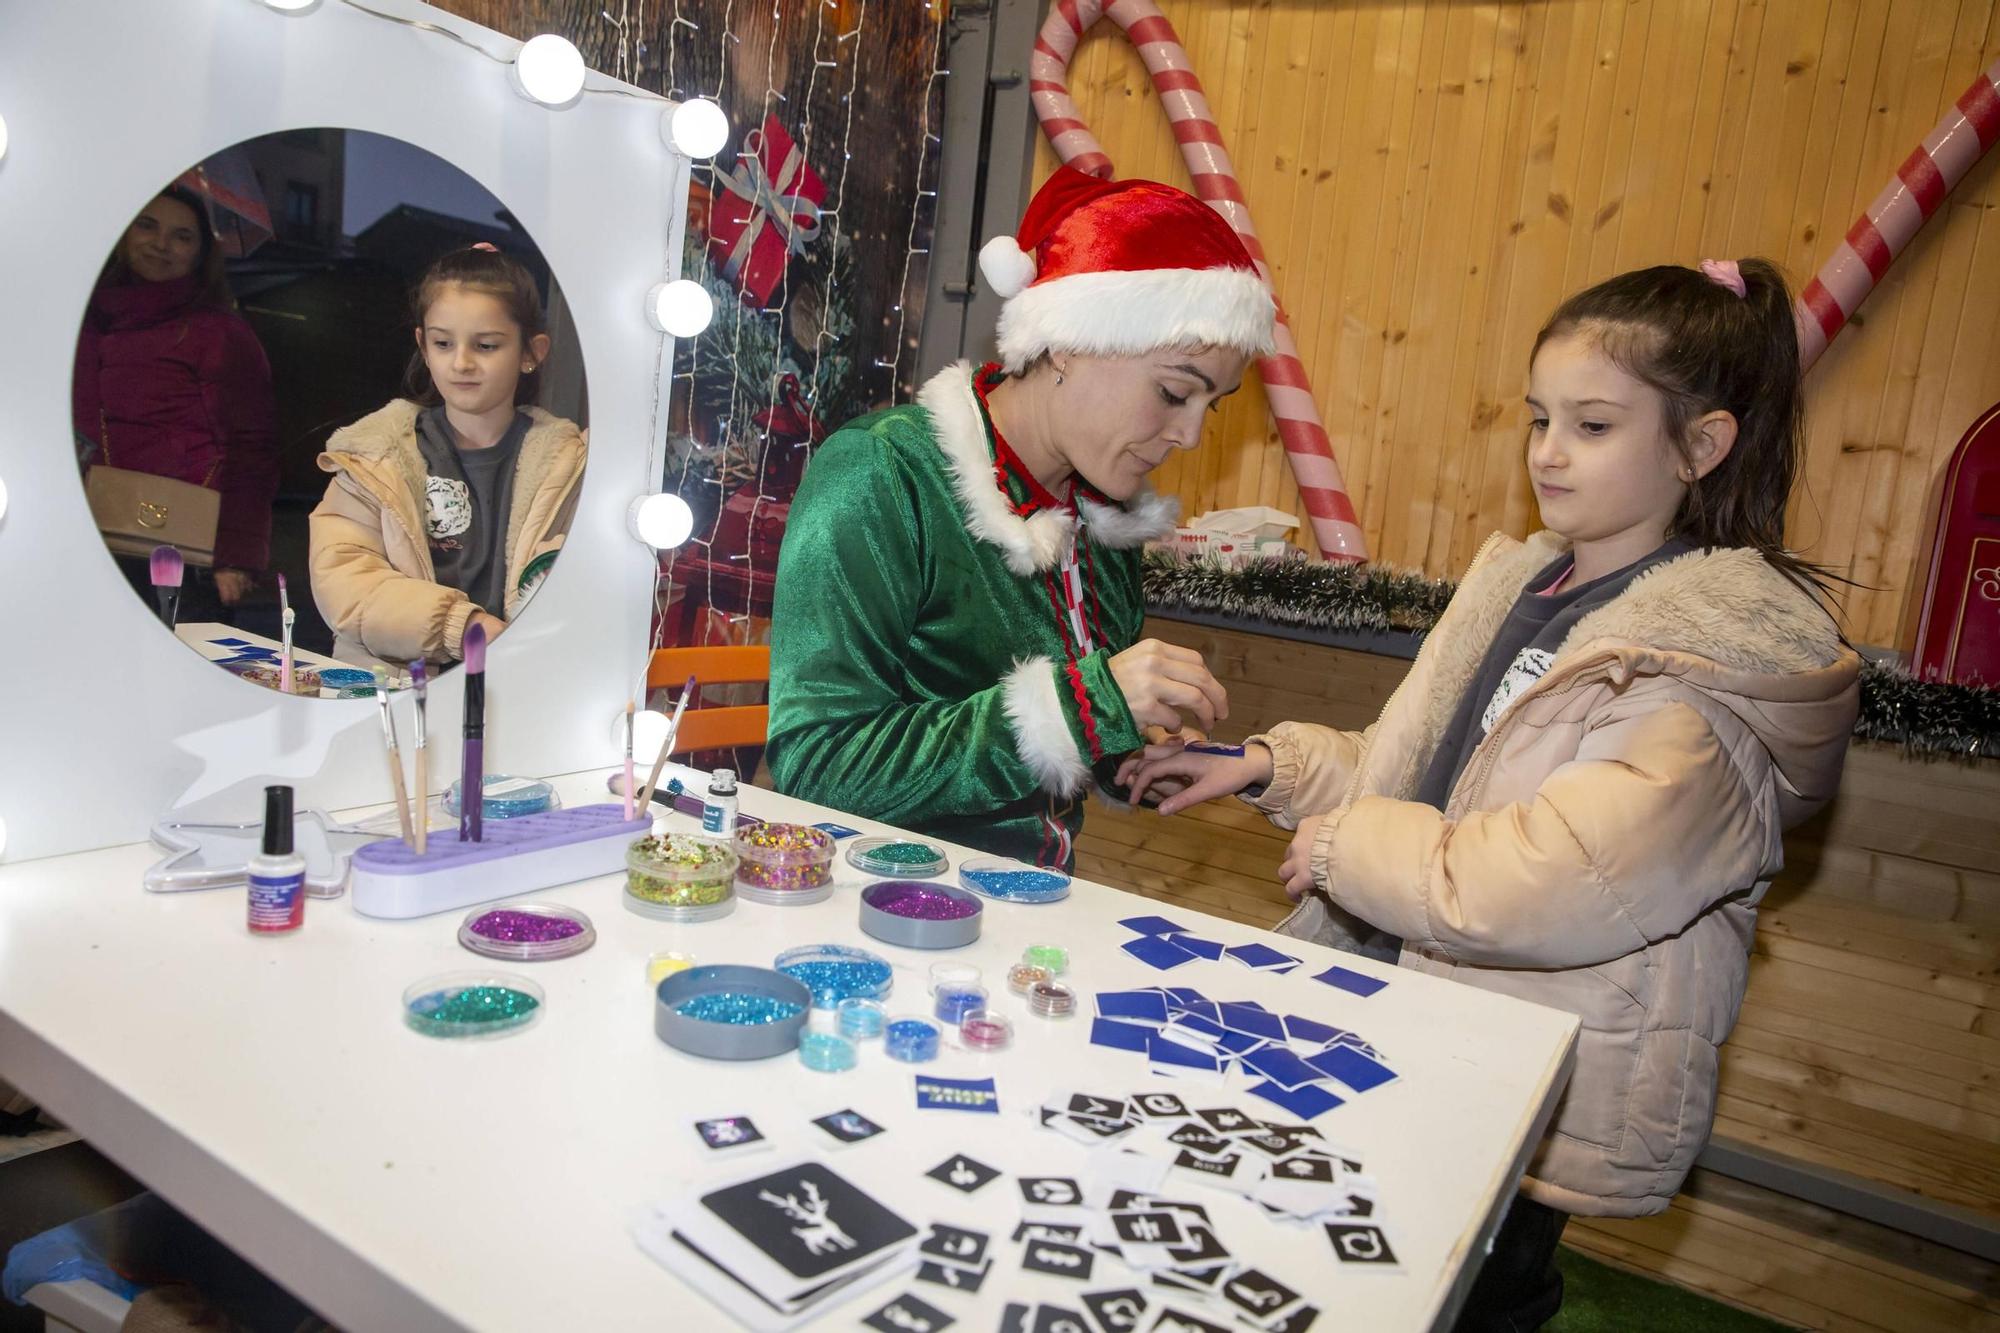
1027, 884
739, 1008
906, 853
832, 981
826, 1053
447, 1013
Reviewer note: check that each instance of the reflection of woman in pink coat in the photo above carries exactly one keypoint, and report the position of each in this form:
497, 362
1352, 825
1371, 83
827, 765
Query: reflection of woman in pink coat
170, 380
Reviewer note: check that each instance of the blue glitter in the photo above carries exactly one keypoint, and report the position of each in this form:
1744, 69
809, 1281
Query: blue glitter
911, 1040
1020, 885
836, 972
955, 1002
739, 1008
860, 1018
826, 1053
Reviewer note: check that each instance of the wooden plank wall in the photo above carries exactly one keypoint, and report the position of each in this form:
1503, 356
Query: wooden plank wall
1429, 178
1870, 1037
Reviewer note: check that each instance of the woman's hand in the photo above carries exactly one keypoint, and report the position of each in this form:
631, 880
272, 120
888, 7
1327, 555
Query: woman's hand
1295, 872
1161, 681
1191, 776
233, 585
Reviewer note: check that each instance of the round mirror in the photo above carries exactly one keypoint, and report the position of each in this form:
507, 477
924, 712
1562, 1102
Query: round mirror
329, 410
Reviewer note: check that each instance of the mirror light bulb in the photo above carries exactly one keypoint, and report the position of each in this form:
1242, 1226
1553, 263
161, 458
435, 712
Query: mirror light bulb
549, 69
649, 733
682, 307
661, 521
292, 6
697, 128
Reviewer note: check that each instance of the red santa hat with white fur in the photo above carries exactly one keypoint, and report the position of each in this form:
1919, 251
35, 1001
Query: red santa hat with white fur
1123, 268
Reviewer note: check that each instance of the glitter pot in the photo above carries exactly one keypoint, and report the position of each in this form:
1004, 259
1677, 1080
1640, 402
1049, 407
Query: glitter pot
348, 682
472, 1004
505, 797
1013, 881
664, 964
526, 932
896, 856
826, 1053
910, 1039
1051, 999
783, 865
1022, 976
728, 1012
985, 1030
920, 916
952, 1003
680, 877
836, 972
858, 1019
1052, 958
953, 974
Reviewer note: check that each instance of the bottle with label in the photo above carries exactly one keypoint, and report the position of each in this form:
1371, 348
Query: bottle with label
718, 812
277, 874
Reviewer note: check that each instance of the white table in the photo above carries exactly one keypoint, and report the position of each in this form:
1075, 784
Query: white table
218, 642
267, 1087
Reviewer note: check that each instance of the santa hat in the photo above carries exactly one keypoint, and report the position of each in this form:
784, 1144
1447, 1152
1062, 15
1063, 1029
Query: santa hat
1122, 268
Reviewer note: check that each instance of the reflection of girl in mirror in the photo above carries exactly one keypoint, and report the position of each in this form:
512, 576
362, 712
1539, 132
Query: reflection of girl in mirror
170, 380
446, 507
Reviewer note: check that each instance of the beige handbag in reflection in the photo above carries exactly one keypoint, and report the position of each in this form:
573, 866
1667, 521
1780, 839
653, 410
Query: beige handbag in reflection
137, 511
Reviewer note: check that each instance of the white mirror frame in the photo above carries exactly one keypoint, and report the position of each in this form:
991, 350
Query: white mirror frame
110, 722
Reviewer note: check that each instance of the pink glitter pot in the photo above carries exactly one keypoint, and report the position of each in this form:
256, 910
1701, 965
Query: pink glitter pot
984, 1030
526, 932
921, 915
784, 864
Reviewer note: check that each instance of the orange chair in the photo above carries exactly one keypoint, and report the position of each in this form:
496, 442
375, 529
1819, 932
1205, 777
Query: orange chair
715, 728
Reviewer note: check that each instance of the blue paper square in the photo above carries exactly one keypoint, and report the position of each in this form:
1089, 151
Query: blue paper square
1201, 948
957, 1094
1258, 955
1278, 1064
1351, 1067
1119, 1036
1186, 995
837, 831
1304, 1103
1253, 1020
1206, 1009
1147, 1006
1237, 1043
1306, 1029
1163, 1052
1155, 951
1152, 925
1351, 981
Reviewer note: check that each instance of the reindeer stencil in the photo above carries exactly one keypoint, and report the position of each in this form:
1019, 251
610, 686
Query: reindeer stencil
819, 1235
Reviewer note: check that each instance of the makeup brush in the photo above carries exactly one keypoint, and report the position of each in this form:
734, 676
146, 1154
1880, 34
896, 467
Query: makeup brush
471, 781
285, 618
395, 762
167, 568
666, 745
421, 807
629, 793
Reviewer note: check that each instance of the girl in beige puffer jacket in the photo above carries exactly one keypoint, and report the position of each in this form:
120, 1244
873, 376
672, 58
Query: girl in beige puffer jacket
1577, 795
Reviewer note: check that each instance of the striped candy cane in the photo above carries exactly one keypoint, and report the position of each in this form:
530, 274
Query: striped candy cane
1905, 204
1321, 489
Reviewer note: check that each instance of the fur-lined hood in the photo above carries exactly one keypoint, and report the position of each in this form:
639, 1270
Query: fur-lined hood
1034, 544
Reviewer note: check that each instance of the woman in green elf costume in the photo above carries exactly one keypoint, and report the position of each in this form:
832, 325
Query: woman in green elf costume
955, 643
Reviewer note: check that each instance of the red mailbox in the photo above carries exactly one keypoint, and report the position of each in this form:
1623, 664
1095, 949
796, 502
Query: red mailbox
1958, 632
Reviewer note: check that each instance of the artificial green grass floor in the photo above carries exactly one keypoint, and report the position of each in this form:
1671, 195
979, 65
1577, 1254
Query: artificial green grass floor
1598, 1298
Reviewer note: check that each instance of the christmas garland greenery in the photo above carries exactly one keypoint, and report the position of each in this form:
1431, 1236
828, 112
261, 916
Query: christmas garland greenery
1924, 717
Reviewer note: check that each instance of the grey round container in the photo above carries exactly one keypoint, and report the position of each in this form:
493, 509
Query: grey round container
914, 932
728, 1041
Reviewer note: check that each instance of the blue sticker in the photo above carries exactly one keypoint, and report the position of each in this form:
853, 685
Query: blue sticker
1214, 747
1253, 1019
1260, 956
1306, 1029
1201, 1027
1145, 1005
957, 1094
838, 831
1186, 995
1353, 982
1356, 1070
1119, 1036
1278, 1064
1199, 947
1305, 1103
1161, 1051
1156, 951
1238, 1043
1151, 925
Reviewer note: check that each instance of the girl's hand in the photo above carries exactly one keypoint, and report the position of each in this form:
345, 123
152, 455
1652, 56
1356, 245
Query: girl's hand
1196, 777
1159, 742
1295, 872
1161, 681
233, 585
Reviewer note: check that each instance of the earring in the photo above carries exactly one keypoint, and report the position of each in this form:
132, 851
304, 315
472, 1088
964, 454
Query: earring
1687, 475
1059, 379
528, 369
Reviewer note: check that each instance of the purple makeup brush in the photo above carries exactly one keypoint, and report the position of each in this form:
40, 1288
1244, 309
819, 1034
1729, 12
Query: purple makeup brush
471, 782
167, 568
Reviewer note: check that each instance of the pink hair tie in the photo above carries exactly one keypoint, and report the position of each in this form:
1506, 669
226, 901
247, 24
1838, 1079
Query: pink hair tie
491, 248
1725, 273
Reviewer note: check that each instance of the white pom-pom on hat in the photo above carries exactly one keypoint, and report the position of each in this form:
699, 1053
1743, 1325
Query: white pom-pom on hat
1008, 268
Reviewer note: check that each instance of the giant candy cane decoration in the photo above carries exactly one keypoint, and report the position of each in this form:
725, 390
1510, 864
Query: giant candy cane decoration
1321, 489
1917, 190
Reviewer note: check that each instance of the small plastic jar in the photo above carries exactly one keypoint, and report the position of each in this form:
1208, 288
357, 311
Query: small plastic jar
1051, 999
984, 1030
953, 974
1052, 957
910, 1039
858, 1018
680, 877
953, 1003
784, 864
1022, 977
825, 1053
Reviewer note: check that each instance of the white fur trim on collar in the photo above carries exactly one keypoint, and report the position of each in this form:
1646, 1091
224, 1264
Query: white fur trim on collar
1041, 727
1131, 314
1036, 543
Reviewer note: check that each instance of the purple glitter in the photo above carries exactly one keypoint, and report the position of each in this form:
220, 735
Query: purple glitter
922, 901
525, 927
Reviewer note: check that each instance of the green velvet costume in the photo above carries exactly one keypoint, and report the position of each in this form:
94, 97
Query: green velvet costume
919, 671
